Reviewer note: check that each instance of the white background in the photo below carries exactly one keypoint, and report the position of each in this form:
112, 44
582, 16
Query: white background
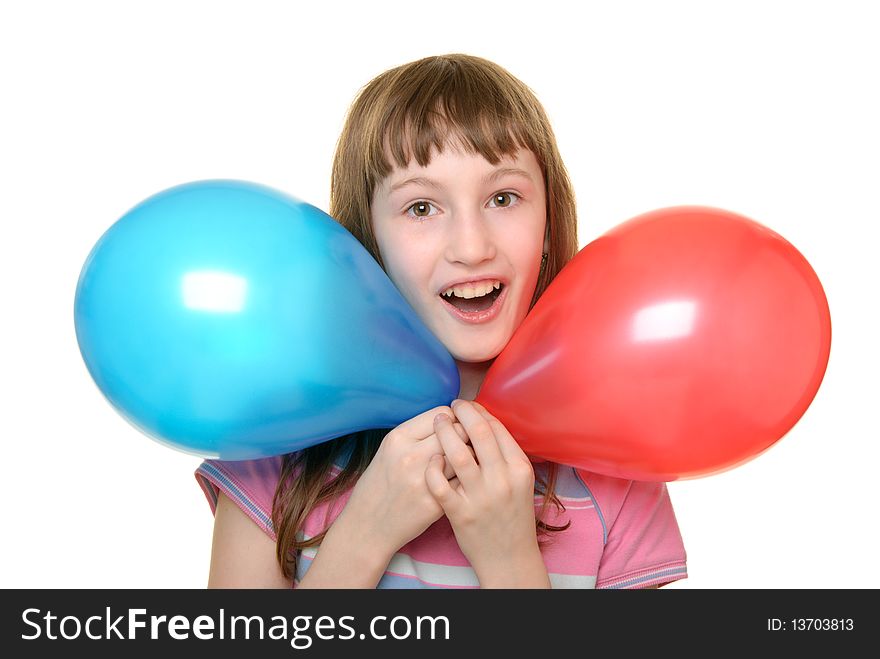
769, 109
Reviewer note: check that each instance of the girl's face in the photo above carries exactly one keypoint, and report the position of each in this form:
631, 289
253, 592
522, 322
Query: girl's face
462, 239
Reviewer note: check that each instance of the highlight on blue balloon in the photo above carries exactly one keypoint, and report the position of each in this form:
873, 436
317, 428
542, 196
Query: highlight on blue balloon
227, 319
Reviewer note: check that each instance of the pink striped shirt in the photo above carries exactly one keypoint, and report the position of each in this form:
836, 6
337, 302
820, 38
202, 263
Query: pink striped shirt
623, 534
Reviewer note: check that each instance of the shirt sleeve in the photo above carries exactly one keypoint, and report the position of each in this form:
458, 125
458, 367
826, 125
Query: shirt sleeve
250, 484
643, 545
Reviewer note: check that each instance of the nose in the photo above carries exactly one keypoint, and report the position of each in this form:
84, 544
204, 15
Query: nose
469, 239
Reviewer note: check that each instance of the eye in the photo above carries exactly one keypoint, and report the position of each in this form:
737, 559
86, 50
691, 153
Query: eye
421, 209
504, 200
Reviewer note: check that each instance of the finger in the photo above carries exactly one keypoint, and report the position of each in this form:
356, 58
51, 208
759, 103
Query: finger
422, 426
481, 434
456, 452
443, 490
507, 444
458, 429
430, 445
448, 471
461, 432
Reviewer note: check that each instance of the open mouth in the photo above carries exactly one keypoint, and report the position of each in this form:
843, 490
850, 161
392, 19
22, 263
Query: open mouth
473, 298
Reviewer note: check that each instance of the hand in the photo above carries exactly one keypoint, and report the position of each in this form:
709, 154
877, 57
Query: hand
491, 507
390, 504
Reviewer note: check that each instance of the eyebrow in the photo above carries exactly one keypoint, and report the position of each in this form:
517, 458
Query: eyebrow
489, 178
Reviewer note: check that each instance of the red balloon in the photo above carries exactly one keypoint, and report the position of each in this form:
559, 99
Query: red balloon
683, 342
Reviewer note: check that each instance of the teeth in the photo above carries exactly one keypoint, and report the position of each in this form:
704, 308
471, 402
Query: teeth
468, 291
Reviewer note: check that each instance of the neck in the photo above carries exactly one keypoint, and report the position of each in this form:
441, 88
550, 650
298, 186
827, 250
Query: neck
472, 376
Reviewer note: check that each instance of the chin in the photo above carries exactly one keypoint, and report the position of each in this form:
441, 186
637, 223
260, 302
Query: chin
471, 356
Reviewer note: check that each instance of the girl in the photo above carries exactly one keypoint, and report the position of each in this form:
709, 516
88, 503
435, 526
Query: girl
447, 171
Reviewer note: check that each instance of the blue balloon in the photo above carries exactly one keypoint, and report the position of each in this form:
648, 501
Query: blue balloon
226, 319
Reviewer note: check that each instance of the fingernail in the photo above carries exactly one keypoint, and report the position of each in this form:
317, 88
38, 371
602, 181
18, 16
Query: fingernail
439, 418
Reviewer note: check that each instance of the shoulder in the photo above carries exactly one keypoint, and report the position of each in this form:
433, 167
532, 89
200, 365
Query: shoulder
242, 555
249, 484
643, 543
616, 497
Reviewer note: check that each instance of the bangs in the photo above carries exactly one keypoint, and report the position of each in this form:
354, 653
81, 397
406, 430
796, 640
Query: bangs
479, 114
413, 135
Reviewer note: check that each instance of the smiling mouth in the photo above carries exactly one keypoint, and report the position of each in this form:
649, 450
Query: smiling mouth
473, 299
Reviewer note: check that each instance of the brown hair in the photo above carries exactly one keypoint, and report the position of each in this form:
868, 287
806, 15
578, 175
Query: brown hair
406, 112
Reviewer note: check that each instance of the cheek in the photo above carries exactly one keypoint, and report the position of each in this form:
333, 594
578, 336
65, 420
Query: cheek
526, 255
410, 255
395, 256
407, 273
525, 249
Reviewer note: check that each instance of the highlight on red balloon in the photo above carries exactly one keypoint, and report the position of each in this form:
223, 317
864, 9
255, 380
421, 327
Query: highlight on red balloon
679, 344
